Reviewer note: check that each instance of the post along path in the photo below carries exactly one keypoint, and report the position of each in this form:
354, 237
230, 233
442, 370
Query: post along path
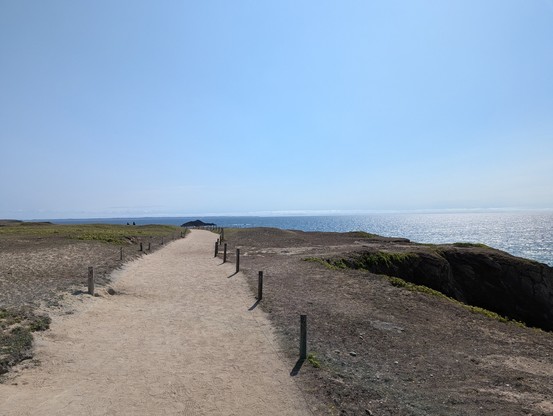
176, 339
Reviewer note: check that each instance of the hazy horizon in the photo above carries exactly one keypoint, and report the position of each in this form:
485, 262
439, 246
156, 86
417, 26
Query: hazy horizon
137, 109
294, 213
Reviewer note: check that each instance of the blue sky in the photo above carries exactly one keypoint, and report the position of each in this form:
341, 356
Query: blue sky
143, 108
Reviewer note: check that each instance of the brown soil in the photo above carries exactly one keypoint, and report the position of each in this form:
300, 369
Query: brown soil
37, 272
41, 276
177, 338
385, 350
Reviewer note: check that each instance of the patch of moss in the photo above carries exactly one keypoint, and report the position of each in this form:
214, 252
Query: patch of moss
9, 318
328, 263
312, 359
39, 323
365, 261
385, 259
16, 337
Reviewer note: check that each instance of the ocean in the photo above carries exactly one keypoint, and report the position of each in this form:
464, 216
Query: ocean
523, 234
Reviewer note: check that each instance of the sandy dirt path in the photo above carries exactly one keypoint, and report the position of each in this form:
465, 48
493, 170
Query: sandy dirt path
177, 339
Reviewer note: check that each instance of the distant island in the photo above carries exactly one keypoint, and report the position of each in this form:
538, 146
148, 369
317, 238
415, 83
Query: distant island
197, 223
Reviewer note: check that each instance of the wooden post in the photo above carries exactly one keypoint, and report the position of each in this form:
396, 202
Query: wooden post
303, 337
216, 248
237, 260
141, 247
222, 234
225, 253
161, 240
91, 280
121, 253
260, 286
149, 246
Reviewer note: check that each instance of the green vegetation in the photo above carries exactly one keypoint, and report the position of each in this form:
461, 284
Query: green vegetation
328, 263
109, 233
312, 358
366, 261
16, 338
384, 259
40, 323
398, 282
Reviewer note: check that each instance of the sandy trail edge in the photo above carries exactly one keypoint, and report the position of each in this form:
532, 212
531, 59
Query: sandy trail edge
178, 339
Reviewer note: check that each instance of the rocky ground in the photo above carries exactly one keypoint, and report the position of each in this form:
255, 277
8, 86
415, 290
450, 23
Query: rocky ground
387, 350
375, 348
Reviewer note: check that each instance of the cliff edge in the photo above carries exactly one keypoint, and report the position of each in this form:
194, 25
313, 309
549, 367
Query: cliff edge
475, 274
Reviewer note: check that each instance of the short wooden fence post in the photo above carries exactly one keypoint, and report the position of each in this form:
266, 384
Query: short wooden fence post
237, 260
121, 253
141, 247
260, 286
91, 280
149, 246
161, 240
216, 248
303, 337
225, 253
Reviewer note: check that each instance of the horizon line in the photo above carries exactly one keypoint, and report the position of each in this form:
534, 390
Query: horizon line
293, 213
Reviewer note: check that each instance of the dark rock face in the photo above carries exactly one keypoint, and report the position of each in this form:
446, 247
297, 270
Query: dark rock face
511, 286
197, 223
514, 287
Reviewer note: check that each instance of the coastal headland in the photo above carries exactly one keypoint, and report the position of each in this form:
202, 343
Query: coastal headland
393, 327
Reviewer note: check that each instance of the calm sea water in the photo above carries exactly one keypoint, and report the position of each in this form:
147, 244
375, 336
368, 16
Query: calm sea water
524, 234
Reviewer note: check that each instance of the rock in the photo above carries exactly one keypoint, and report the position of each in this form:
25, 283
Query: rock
481, 276
353, 353
111, 291
197, 223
